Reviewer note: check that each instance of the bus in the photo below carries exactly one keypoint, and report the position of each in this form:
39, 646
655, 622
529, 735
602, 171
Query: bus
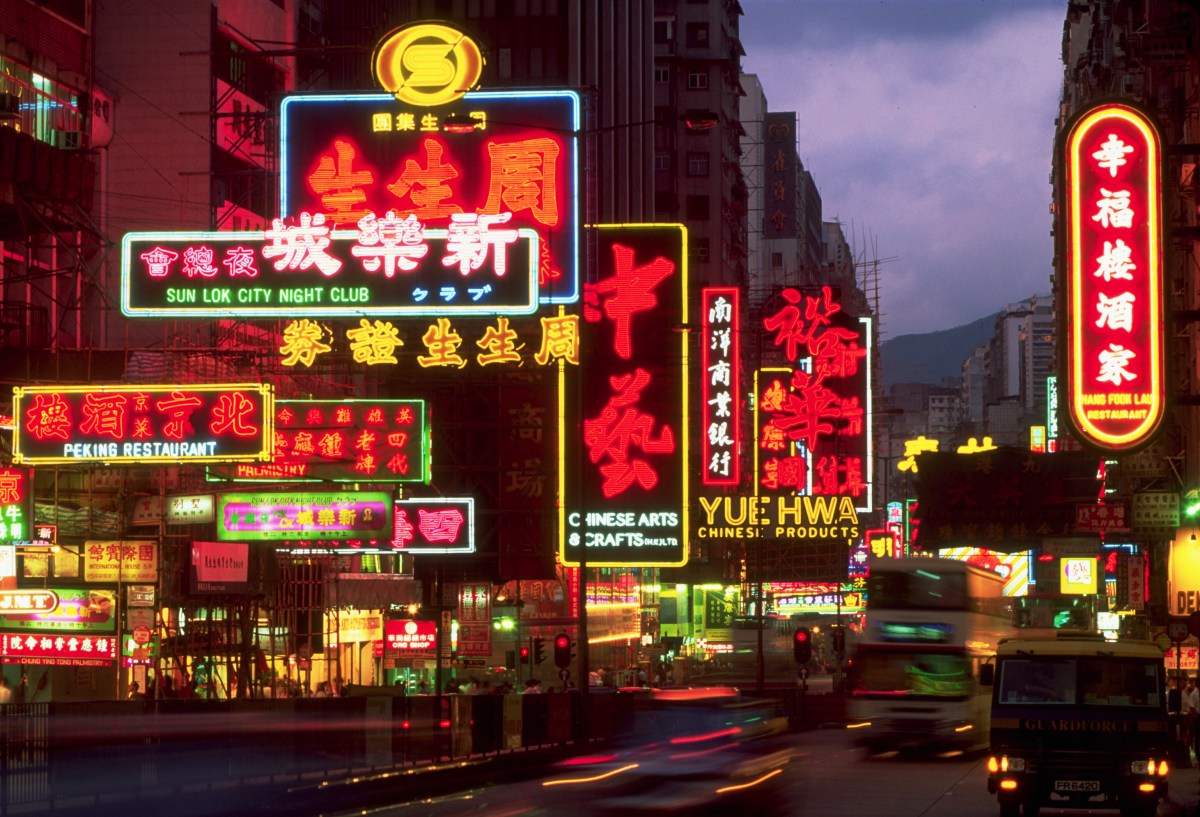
931, 624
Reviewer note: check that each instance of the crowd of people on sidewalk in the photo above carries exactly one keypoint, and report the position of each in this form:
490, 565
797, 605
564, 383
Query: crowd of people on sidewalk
1183, 705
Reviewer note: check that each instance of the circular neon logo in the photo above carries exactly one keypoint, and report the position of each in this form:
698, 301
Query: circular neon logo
427, 64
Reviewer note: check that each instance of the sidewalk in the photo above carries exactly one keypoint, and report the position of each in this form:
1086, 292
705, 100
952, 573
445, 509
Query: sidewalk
1183, 793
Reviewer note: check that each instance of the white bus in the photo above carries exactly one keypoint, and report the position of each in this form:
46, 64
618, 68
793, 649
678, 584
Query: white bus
930, 625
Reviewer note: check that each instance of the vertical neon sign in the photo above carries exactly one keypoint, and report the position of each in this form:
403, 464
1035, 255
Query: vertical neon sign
720, 398
1113, 255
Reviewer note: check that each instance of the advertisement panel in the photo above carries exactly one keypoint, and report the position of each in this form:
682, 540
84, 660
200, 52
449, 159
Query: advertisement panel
144, 423
219, 568
77, 610
303, 515
112, 562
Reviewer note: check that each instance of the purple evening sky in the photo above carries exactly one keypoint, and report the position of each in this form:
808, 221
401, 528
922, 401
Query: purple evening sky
929, 129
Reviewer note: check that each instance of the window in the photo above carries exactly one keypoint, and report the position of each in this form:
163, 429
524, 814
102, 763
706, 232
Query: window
697, 35
664, 31
697, 164
698, 250
698, 80
697, 208
776, 260
662, 161
662, 74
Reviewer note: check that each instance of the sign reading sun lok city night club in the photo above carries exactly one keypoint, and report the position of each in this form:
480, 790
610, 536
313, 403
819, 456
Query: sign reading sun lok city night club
1112, 233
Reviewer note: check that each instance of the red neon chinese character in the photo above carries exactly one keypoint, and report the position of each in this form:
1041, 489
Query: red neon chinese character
426, 186
49, 417
631, 290
523, 177
620, 427
440, 526
232, 413
104, 415
403, 531
178, 408
10, 487
803, 415
794, 330
340, 186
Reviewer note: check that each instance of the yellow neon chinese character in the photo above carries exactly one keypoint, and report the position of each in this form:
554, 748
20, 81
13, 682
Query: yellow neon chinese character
973, 446
560, 340
381, 122
499, 343
442, 342
375, 342
303, 340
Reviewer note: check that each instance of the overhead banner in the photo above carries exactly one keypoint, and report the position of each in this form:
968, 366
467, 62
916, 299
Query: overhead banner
143, 423
304, 515
625, 471
495, 164
1111, 228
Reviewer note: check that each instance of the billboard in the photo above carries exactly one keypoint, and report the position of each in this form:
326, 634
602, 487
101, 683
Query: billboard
513, 167
625, 472
1111, 227
144, 423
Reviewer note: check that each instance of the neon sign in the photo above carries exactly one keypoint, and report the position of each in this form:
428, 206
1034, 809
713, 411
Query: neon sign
124, 424
59, 650
1112, 236
720, 396
628, 499
426, 63
343, 157
406, 636
343, 441
16, 505
387, 266
303, 515
434, 525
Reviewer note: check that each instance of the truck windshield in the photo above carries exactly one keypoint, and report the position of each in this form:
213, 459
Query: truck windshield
1093, 681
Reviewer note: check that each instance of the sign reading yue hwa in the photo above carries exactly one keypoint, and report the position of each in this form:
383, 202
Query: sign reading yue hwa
1112, 251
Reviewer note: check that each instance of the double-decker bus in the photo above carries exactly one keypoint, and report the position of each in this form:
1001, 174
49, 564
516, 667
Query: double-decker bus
930, 625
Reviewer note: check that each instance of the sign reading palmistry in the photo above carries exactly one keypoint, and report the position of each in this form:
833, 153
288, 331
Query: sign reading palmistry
625, 473
343, 441
1112, 252
510, 165
819, 410
143, 423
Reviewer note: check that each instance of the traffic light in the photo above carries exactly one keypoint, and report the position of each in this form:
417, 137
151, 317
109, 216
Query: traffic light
839, 640
562, 651
524, 655
539, 650
802, 646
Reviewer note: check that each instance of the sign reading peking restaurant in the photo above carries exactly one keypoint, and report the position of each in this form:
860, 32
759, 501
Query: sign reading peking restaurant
343, 441
624, 476
471, 172
1111, 227
143, 423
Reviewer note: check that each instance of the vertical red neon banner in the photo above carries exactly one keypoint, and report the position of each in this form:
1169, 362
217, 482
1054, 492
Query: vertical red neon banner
1112, 253
720, 395
625, 432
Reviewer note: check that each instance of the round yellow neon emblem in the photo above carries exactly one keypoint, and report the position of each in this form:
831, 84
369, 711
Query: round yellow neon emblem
427, 64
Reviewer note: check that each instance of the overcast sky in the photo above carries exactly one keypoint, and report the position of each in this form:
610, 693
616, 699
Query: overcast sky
928, 127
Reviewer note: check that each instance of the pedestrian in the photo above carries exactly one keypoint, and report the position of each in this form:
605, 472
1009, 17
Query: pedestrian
1189, 709
5, 691
533, 687
135, 692
423, 688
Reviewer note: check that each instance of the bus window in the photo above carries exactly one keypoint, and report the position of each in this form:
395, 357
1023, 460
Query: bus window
936, 675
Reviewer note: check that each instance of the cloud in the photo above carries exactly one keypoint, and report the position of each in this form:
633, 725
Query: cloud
931, 143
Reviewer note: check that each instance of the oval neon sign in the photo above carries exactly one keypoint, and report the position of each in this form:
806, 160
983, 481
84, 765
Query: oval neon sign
427, 64
1113, 278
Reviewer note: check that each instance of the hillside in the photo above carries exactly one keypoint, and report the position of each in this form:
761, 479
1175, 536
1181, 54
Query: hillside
929, 357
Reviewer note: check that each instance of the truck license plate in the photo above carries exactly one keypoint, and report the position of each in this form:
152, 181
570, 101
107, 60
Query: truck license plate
1077, 785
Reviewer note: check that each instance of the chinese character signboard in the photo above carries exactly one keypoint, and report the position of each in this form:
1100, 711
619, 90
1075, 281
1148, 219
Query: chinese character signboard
219, 568
64, 650
410, 637
434, 525
304, 515
343, 441
16, 505
474, 619
720, 393
779, 162
625, 466
1093, 518
1111, 228
139, 424
391, 170
112, 562
388, 266
819, 407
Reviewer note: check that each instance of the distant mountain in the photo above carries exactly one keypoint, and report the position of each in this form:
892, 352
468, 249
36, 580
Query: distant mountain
929, 357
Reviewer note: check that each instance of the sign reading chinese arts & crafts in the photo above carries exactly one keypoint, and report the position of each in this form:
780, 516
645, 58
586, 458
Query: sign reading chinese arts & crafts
304, 515
720, 386
453, 209
219, 568
343, 441
138, 424
1111, 227
16, 505
434, 525
309, 269
112, 562
77, 610
624, 476
63, 650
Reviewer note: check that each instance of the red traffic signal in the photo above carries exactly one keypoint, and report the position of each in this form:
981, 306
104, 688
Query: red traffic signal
524, 655
802, 646
562, 651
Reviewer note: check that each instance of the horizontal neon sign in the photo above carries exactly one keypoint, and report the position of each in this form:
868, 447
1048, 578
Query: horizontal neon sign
309, 269
58, 650
143, 423
434, 525
299, 515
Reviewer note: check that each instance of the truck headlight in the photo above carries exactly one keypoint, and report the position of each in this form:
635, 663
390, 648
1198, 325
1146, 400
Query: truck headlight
1004, 763
1151, 767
